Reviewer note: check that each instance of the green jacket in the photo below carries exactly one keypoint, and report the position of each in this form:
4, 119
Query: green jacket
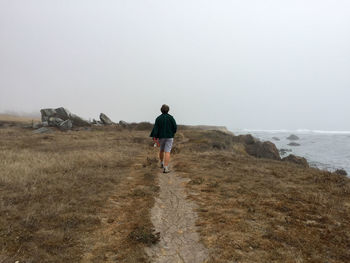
164, 127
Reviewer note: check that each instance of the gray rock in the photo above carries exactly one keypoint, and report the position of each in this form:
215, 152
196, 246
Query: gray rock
45, 124
105, 119
276, 138
123, 123
62, 113
293, 137
46, 114
293, 144
78, 121
54, 121
37, 125
65, 125
42, 130
284, 151
55, 116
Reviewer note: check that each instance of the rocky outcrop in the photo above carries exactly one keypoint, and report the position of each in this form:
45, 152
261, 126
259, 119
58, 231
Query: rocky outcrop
293, 137
63, 113
42, 130
296, 159
123, 123
284, 151
247, 139
65, 125
257, 148
293, 144
46, 114
276, 138
78, 121
341, 172
61, 118
263, 150
105, 120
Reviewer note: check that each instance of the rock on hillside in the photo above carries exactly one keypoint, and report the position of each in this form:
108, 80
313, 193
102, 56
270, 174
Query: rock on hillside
341, 172
105, 120
296, 159
259, 149
54, 117
263, 150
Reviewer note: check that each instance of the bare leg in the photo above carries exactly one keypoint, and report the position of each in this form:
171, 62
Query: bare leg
161, 156
167, 159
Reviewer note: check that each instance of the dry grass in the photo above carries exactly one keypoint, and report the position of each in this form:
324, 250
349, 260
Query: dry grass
256, 210
17, 119
85, 196
67, 197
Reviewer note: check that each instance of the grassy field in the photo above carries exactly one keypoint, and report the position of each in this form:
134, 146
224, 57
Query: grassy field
75, 196
86, 195
258, 210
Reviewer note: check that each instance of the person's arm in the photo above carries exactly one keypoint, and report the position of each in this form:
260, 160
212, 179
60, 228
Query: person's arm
174, 126
155, 130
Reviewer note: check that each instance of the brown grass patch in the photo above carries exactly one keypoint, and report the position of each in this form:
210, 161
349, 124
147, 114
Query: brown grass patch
65, 197
257, 210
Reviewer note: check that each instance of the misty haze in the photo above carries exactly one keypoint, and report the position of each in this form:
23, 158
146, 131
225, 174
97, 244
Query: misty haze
250, 64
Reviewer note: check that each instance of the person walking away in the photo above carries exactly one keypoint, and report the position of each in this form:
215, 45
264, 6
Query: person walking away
164, 129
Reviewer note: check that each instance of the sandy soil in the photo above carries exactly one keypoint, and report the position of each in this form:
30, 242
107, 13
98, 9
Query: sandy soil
174, 216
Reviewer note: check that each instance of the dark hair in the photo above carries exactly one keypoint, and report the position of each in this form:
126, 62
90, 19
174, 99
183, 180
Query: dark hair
164, 108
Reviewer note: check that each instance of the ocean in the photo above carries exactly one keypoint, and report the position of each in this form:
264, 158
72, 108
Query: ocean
327, 150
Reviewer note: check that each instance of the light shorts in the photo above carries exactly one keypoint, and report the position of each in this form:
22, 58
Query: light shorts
166, 144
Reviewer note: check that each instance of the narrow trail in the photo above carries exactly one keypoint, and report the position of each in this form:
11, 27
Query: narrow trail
174, 217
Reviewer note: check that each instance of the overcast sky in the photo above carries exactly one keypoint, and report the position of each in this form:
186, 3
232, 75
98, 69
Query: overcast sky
243, 64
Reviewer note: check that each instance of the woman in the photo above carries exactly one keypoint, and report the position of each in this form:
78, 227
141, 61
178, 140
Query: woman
164, 129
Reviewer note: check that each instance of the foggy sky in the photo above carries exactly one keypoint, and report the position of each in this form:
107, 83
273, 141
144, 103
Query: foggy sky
243, 64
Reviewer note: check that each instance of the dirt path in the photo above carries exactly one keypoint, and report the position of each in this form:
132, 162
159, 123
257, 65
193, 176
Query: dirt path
174, 217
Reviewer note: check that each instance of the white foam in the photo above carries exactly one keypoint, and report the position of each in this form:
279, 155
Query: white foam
295, 131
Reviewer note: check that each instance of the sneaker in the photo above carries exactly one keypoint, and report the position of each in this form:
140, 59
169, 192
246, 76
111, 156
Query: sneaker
166, 170
161, 165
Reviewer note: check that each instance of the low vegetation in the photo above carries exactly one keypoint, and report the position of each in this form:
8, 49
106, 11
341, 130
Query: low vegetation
75, 196
258, 210
86, 196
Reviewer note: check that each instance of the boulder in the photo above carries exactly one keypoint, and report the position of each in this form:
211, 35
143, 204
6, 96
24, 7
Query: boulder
37, 125
53, 121
247, 139
42, 130
293, 137
296, 159
266, 150
293, 144
284, 151
276, 138
341, 172
78, 121
54, 117
62, 113
46, 114
105, 120
123, 123
65, 125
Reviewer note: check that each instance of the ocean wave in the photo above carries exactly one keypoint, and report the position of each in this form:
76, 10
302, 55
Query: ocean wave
296, 131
